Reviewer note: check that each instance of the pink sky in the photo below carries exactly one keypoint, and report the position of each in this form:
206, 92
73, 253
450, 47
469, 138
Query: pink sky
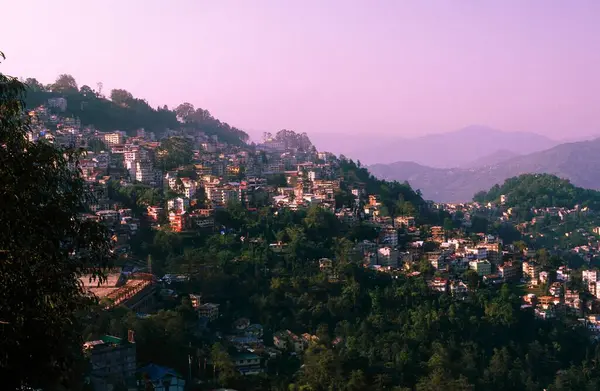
360, 67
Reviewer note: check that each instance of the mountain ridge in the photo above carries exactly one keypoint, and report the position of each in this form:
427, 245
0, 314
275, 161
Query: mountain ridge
493, 158
578, 162
440, 150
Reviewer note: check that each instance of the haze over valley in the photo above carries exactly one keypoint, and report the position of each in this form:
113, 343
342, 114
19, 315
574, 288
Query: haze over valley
579, 162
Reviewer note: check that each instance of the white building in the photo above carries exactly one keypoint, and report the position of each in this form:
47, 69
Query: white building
563, 274
589, 275
221, 195
59, 103
479, 252
144, 171
189, 187
113, 138
179, 204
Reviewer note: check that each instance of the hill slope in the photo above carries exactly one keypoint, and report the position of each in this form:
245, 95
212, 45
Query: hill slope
540, 191
131, 113
579, 162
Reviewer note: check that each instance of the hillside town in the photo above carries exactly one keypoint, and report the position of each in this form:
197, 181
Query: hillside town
178, 184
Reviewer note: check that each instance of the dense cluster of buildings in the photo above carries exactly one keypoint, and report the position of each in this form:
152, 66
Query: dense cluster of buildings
284, 171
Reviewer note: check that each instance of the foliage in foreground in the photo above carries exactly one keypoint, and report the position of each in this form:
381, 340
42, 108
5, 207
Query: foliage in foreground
44, 249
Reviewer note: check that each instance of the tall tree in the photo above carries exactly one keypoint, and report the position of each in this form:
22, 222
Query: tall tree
222, 364
185, 111
44, 249
121, 97
87, 92
64, 84
34, 85
174, 152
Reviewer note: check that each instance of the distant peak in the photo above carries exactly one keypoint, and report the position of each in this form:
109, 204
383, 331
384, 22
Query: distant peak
478, 129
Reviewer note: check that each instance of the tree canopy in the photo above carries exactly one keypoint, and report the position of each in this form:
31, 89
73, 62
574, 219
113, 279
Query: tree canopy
65, 84
44, 248
174, 152
124, 111
540, 190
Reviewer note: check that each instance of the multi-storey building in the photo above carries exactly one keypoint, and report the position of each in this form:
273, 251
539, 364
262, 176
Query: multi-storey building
154, 212
404, 221
389, 236
189, 187
387, 256
439, 284
178, 204
113, 138
573, 301
563, 273
437, 234
531, 270
209, 310
482, 267
508, 271
589, 275
178, 221
59, 103
113, 362
221, 195
247, 363
144, 171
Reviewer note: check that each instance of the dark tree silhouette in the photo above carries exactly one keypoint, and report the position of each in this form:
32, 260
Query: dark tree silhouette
45, 248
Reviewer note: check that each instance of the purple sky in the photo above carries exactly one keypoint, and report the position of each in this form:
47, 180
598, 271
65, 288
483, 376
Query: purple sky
362, 67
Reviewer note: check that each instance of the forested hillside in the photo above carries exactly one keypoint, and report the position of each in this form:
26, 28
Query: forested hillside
579, 162
539, 191
300, 270
122, 111
388, 332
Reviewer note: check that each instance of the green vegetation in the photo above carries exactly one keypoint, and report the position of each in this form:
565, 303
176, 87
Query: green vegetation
539, 191
398, 199
392, 332
174, 152
96, 145
44, 248
374, 330
125, 112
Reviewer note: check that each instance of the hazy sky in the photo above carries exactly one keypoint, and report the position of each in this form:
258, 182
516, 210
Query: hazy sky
373, 66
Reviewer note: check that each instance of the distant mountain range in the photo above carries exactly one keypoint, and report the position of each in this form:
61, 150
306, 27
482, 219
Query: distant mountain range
491, 159
579, 162
445, 150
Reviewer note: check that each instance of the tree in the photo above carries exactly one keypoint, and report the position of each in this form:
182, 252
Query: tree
222, 364
34, 85
479, 224
472, 279
45, 249
184, 111
96, 145
448, 225
321, 368
520, 245
121, 97
87, 92
174, 152
357, 381
65, 84
543, 257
